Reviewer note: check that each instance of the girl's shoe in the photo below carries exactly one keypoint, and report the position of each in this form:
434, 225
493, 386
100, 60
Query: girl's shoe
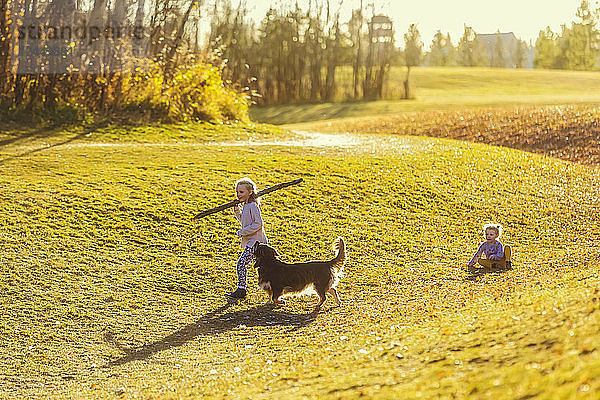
238, 294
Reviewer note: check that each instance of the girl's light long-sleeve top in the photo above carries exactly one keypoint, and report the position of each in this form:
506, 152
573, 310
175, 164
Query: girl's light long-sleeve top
252, 224
492, 251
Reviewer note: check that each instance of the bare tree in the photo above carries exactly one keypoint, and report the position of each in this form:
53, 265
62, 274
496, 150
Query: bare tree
334, 44
368, 84
170, 61
356, 27
413, 54
4, 47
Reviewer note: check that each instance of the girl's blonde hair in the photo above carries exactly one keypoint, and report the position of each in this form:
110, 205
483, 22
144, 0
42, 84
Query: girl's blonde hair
494, 227
250, 185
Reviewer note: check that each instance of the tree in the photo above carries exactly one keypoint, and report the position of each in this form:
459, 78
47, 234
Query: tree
471, 52
522, 54
498, 57
315, 42
413, 54
563, 43
355, 26
577, 47
546, 49
333, 56
441, 51
4, 40
170, 61
449, 51
582, 41
369, 92
231, 38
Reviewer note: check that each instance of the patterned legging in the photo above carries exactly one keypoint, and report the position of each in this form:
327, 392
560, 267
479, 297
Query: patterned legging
246, 258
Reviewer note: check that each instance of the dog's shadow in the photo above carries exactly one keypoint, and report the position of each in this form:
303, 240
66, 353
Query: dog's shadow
213, 323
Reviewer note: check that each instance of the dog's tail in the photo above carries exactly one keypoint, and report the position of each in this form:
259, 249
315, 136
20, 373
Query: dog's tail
340, 259
336, 271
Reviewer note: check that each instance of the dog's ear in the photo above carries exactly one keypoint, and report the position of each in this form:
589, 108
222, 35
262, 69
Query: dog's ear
255, 246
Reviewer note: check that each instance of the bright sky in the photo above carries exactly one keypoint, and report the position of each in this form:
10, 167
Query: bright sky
523, 17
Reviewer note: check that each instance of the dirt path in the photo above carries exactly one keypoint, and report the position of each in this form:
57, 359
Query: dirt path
369, 143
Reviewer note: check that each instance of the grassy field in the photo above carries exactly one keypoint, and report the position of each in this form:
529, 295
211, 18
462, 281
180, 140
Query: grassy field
438, 88
111, 290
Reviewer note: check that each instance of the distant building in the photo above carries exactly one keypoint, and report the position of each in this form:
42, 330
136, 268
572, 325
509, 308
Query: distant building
382, 37
382, 28
510, 50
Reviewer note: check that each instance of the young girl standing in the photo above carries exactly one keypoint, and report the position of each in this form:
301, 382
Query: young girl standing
248, 213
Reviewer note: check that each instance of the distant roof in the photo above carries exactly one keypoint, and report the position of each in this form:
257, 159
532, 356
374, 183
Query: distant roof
497, 33
488, 37
381, 18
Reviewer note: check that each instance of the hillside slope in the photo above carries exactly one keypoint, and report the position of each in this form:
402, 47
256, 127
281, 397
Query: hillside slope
111, 290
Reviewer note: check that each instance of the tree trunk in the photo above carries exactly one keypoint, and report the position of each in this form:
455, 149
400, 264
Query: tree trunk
379, 81
332, 64
24, 61
406, 83
356, 66
368, 83
138, 44
4, 48
316, 64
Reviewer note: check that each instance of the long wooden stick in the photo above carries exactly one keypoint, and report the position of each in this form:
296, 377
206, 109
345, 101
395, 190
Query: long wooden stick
236, 202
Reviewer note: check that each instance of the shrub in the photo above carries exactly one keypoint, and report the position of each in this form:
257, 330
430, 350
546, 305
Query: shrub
198, 93
143, 91
59, 113
195, 91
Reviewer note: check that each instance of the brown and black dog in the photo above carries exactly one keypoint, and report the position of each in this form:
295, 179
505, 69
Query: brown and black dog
278, 278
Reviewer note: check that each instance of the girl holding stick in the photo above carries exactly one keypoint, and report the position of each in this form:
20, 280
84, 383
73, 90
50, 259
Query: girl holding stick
252, 230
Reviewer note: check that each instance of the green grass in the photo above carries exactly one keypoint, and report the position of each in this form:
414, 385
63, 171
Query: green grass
18, 135
450, 88
110, 289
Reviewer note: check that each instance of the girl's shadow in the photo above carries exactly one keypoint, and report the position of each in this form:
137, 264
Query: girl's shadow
484, 271
213, 323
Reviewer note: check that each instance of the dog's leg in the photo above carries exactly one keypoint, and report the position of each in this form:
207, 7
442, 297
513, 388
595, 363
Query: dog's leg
332, 291
322, 288
275, 294
266, 286
322, 297
270, 293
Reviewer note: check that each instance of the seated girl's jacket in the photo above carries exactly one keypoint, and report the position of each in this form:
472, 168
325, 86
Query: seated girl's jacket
493, 251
